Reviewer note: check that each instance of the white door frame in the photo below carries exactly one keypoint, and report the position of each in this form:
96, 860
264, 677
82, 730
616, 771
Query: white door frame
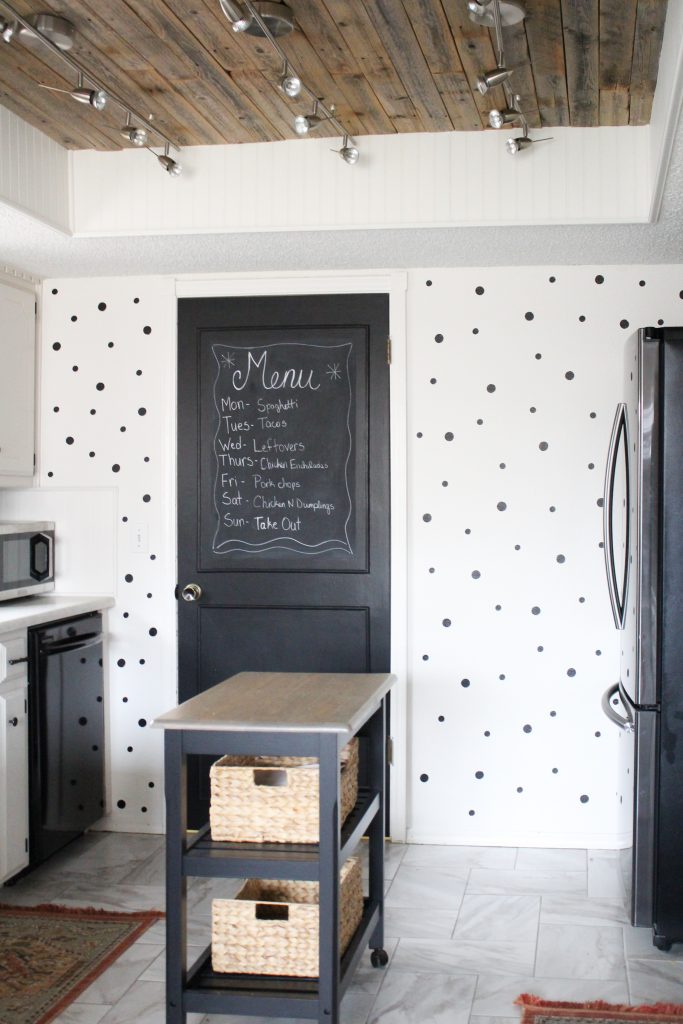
356, 282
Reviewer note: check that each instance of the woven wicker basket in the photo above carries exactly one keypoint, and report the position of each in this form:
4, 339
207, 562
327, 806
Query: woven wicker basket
273, 927
275, 799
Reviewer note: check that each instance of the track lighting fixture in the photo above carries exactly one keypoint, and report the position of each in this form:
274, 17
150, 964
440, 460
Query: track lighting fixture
490, 79
290, 83
514, 145
271, 18
8, 30
96, 98
481, 12
170, 165
305, 123
236, 15
56, 34
508, 115
138, 136
348, 153
499, 13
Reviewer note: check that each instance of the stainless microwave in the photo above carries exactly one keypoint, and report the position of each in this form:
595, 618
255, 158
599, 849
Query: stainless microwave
27, 563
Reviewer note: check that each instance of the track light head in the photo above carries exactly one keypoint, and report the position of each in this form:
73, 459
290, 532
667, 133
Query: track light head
8, 30
497, 118
490, 79
348, 152
304, 123
514, 145
97, 98
236, 15
170, 165
290, 84
138, 136
481, 12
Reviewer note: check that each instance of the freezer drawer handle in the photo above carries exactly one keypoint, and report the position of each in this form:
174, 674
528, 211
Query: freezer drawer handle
608, 696
71, 643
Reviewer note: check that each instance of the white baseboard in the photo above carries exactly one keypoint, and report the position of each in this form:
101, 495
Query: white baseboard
547, 840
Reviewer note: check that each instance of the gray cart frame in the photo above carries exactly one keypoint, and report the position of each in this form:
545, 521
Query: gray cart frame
199, 989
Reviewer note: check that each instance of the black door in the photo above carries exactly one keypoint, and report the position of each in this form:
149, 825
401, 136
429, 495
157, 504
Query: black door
283, 490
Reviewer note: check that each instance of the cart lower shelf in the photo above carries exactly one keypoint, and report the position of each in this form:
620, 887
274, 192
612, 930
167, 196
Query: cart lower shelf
207, 991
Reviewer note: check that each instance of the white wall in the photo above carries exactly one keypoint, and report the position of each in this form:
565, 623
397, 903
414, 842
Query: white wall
584, 176
34, 172
482, 643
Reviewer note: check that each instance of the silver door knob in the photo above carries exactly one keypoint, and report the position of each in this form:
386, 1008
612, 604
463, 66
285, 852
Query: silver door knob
191, 592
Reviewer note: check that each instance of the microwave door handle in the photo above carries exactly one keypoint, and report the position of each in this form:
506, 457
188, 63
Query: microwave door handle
608, 513
626, 723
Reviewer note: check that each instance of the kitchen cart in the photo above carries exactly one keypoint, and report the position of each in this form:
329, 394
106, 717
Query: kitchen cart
276, 714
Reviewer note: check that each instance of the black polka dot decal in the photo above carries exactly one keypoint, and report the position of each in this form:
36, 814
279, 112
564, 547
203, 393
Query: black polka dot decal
479, 290
101, 306
529, 316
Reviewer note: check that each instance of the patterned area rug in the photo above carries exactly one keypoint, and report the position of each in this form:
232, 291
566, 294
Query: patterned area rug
49, 955
543, 1011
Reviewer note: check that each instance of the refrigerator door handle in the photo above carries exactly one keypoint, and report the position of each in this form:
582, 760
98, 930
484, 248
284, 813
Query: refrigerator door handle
619, 432
626, 723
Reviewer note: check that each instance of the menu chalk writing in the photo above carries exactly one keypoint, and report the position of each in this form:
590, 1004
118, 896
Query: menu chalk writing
283, 444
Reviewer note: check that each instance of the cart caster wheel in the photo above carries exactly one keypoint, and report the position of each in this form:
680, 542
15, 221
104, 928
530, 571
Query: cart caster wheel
379, 958
660, 942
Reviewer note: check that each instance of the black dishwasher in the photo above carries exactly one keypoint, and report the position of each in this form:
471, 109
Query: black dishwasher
66, 732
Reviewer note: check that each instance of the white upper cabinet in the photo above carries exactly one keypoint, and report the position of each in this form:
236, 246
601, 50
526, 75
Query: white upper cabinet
17, 389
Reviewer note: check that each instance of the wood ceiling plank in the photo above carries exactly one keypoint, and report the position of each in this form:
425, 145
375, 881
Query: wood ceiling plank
182, 59
581, 43
545, 41
617, 33
477, 54
394, 27
324, 34
647, 46
433, 32
456, 94
361, 37
116, 61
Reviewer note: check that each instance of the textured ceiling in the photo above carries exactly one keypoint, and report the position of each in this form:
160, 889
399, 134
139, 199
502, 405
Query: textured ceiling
386, 65
30, 246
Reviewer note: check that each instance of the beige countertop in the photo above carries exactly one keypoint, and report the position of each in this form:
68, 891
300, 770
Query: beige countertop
283, 702
34, 611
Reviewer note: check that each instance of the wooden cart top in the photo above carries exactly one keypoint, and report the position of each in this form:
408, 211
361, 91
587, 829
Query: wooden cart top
283, 702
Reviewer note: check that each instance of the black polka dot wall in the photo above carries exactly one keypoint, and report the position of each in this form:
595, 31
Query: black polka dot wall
104, 352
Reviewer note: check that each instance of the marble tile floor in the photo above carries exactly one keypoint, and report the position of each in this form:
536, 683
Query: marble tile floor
467, 930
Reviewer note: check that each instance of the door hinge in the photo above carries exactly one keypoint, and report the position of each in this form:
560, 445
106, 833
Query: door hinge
390, 751
34, 460
389, 351
25, 845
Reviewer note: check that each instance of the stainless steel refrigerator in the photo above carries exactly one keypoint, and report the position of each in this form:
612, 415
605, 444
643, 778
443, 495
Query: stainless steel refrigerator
643, 526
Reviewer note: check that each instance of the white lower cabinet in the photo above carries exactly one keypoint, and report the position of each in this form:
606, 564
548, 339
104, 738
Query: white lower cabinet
13, 757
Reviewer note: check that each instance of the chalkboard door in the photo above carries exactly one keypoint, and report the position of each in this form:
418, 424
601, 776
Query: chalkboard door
283, 490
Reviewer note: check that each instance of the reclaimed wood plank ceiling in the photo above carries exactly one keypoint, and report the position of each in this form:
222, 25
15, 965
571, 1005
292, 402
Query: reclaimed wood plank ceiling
387, 66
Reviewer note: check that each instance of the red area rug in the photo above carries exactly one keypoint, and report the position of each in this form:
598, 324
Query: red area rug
49, 955
544, 1011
